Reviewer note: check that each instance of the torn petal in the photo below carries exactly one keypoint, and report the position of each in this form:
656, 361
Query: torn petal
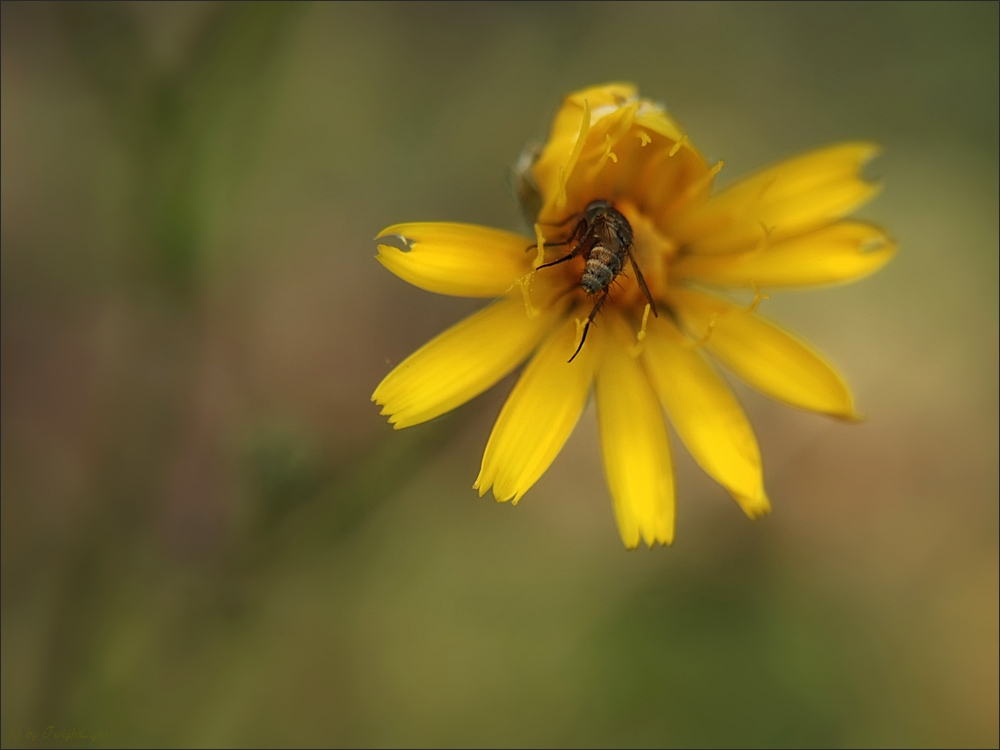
463, 260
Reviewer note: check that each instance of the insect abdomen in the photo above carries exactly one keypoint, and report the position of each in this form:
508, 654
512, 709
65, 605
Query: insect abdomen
601, 269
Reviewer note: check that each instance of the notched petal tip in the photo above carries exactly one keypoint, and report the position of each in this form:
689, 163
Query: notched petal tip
632, 545
858, 152
504, 497
840, 253
869, 150
765, 356
794, 196
846, 412
875, 188
754, 507
386, 255
855, 417
396, 230
879, 241
539, 414
635, 447
462, 260
395, 239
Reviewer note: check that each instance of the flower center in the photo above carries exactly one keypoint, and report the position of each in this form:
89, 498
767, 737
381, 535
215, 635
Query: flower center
598, 258
653, 252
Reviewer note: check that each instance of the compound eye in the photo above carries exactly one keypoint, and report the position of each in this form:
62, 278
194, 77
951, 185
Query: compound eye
596, 207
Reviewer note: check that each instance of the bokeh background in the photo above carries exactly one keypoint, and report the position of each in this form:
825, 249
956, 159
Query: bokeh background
210, 536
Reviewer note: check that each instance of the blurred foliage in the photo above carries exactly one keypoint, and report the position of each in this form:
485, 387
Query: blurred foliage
211, 538
173, 122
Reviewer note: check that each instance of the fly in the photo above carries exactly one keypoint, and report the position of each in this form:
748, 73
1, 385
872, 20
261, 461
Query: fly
604, 238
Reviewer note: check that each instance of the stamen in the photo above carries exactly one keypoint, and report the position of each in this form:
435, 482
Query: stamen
765, 241
624, 124
640, 337
765, 187
540, 241
608, 153
645, 319
613, 138
758, 297
704, 339
525, 283
567, 170
644, 138
678, 145
698, 185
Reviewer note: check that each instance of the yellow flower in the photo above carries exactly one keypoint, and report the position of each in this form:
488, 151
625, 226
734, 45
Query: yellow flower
779, 228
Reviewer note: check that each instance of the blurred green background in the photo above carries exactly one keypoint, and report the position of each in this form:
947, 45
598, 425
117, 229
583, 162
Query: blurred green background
210, 536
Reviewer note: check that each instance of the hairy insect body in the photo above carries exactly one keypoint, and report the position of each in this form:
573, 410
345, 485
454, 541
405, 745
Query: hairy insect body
602, 267
605, 241
603, 237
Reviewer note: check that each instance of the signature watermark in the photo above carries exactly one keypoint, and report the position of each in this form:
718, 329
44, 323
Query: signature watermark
52, 732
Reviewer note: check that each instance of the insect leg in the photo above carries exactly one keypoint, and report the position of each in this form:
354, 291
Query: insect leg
590, 319
557, 262
580, 237
642, 284
534, 245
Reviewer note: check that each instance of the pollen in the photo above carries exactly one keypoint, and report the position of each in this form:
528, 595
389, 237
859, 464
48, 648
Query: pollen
644, 139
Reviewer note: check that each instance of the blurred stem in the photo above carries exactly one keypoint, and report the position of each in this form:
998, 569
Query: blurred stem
169, 126
341, 505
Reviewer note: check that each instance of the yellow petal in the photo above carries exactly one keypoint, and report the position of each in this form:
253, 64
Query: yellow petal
462, 362
540, 413
839, 253
771, 360
463, 260
609, 99
706, 414
599, 100
602, 141
657, 120
788, 199
634, 444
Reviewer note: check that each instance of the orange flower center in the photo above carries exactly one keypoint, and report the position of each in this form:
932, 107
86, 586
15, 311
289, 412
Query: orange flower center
651, 250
